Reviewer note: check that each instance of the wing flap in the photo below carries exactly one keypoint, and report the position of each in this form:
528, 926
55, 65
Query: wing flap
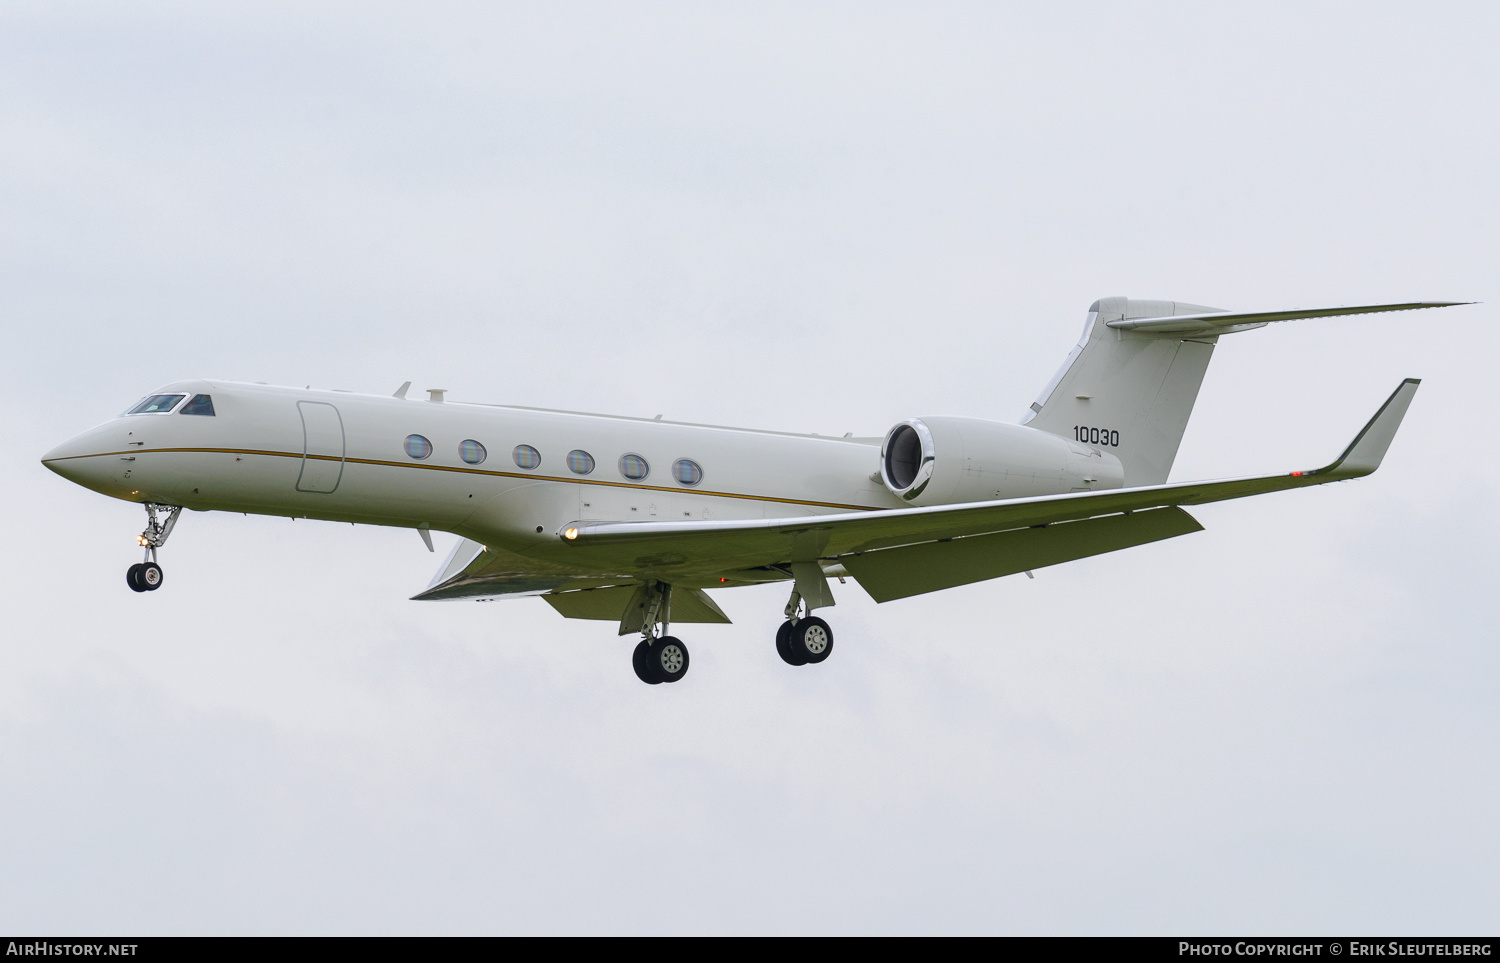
897, 573
513, 586
473, 571
609, 604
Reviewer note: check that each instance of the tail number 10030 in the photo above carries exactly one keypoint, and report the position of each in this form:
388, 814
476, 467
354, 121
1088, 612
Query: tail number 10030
1096, 436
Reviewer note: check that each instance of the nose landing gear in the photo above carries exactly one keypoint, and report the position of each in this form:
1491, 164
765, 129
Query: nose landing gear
146, 576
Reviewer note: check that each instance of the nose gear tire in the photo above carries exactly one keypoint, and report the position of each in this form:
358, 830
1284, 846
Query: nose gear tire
133, 577
150, 576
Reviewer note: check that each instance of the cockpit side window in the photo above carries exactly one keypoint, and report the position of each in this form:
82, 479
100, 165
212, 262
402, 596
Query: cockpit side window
156, 404
200, 405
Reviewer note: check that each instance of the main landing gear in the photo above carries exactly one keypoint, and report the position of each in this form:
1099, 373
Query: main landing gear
658, 657
807, 641
663, 659
803, 641
146, 576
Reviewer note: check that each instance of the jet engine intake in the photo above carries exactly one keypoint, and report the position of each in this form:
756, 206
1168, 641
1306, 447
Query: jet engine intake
907, 459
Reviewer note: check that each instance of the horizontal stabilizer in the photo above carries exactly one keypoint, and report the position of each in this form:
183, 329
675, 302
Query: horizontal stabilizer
1222, 322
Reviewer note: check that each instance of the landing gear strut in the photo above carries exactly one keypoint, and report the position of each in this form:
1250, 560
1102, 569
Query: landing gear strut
146, 575
658, 657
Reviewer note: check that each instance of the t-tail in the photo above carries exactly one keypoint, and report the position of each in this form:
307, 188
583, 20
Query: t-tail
1129, 385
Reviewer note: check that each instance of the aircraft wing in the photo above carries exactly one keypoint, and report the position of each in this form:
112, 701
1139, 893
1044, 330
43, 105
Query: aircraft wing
859, 538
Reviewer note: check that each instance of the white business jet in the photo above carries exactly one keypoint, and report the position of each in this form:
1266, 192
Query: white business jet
630, 520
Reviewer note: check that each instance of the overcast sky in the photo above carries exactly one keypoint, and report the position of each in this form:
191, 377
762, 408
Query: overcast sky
809, 217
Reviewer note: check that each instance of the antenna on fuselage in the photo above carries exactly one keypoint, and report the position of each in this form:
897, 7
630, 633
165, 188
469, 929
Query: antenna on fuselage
401, 391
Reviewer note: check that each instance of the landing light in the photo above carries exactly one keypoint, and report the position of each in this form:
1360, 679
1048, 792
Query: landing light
570, 534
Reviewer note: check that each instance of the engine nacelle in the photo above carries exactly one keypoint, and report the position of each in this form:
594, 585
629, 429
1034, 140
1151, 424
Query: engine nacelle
941, 461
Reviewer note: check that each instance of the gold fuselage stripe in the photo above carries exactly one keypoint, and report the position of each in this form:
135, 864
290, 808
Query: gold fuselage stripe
473, 471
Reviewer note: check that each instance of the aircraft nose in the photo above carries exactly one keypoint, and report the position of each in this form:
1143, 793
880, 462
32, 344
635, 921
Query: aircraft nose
79, 459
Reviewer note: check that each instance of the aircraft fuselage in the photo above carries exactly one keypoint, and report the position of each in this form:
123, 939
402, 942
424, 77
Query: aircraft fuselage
507, 477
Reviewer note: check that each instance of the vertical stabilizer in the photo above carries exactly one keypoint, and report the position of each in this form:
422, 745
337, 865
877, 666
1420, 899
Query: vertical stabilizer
1126, 392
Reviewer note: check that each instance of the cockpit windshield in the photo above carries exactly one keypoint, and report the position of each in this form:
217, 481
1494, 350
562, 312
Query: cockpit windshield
156, 404
200, 405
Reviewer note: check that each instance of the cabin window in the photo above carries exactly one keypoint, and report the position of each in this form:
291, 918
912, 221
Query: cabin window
687, 471
156, 404
580, 462
200, 405
418, 447
634, 467
526, 457
471, 451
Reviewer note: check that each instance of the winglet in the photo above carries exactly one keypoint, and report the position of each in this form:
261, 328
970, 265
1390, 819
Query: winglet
401, 391
1367, 449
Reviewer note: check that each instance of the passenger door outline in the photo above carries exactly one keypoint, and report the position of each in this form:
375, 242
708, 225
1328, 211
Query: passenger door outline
322, 448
